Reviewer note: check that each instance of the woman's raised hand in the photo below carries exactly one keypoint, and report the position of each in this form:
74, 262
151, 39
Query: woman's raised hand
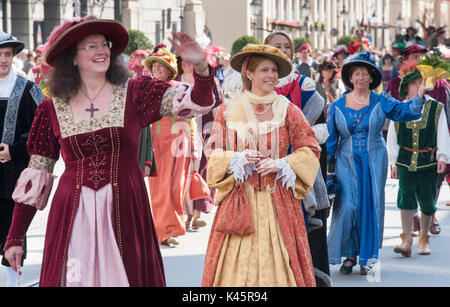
190, 51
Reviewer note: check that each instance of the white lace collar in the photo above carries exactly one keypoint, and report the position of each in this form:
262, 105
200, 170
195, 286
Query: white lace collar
239, 116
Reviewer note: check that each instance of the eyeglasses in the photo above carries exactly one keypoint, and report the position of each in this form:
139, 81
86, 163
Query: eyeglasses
94, 47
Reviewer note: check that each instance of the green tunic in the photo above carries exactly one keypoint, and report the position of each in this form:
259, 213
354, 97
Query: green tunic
417, 171
419, 135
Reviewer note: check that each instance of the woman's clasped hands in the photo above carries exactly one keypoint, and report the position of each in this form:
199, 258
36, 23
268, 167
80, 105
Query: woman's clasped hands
264, 166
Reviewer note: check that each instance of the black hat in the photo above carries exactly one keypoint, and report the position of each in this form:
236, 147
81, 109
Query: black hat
327, 65
7, 40
362, 59
412, 29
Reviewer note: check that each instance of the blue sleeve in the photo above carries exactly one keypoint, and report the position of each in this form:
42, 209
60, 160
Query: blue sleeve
333, 138
306, 95
401, 111
313, 108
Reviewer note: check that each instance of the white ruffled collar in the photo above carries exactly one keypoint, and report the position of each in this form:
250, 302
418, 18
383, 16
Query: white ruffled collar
7, 84
239, 115
288, 79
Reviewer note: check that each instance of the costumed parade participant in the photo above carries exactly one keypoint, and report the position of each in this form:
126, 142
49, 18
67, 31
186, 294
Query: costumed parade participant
440, 92
19, 99
329, 86
95, 117
357, 149
136, 65
389, 69
339, 56
196, 207
301, 91
418, 151
38, 74
174, 149
305, 65
360, 43
411, 53
257, 182
232, 82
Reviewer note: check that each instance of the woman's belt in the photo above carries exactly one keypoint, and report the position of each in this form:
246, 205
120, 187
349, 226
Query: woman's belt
432, 150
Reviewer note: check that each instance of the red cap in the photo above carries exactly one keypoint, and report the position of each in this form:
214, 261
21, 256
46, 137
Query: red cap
305, 46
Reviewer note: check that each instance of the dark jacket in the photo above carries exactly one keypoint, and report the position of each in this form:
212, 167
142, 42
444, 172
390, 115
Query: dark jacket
24, 99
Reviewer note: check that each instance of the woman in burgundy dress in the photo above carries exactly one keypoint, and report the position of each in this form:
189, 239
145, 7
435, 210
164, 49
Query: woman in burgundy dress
100, 230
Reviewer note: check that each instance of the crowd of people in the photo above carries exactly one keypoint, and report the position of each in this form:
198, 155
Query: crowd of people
277, 136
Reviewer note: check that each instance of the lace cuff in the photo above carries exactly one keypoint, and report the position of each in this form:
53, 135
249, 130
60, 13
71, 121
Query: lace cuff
33, 188
183, 105
167, 102
321, 132
240, 166
286, 174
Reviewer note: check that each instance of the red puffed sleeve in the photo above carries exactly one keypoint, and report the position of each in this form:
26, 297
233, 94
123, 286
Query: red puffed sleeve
300, 132
147, 95
36, 181
42, 140
155, 99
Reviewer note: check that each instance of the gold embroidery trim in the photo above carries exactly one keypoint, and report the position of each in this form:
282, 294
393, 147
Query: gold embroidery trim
416, 127
416, 167
167, 102
42, 163
437, 115
114, 118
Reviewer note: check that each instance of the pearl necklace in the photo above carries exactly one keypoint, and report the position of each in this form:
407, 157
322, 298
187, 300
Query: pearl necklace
365, 101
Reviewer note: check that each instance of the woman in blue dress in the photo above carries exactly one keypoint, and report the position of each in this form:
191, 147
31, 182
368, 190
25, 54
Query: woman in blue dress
355, 123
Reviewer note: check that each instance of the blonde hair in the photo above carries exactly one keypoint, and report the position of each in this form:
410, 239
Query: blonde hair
273, 34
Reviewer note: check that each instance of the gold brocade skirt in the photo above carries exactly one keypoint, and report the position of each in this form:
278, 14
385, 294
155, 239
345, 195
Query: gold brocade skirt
260, 259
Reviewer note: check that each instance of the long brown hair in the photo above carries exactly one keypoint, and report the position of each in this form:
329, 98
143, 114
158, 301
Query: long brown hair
64, 79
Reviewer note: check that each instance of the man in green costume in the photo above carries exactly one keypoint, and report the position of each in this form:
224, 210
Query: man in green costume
418, 152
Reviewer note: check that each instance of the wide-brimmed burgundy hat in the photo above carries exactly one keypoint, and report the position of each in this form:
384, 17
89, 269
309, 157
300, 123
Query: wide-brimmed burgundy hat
414, 48
72, 31
340, 49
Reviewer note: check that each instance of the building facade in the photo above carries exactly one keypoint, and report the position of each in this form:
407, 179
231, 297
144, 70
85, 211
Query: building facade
322, 21
32, 20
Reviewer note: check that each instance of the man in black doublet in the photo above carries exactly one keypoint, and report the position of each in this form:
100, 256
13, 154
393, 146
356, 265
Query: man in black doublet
18, 101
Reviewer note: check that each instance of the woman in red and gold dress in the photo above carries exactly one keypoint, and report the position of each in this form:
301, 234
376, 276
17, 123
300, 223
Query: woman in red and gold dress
100, 230
259, 236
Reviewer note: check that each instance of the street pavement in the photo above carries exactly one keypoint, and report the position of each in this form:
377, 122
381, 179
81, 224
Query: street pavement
184, 264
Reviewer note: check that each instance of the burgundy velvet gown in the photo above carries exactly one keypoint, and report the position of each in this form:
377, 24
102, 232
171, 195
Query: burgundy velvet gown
99, 152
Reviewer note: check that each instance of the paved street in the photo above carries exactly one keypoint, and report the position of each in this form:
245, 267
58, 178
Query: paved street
184, 264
